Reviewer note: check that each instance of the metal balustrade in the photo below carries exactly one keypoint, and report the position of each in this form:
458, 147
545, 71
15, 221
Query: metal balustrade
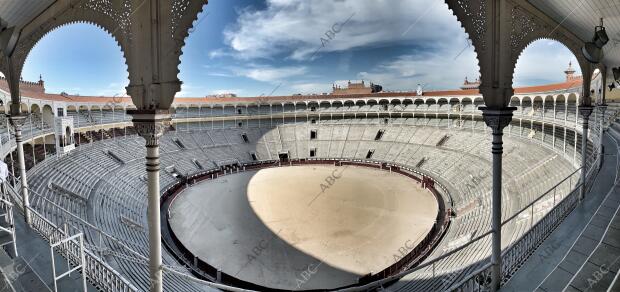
517, 253
98, 273
7, 214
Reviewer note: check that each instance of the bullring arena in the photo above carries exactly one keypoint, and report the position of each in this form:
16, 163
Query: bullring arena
348, 228
307, 193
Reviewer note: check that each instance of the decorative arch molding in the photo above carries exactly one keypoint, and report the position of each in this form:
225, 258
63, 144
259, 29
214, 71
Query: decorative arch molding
530, 25
112, 16
472, 16
154, 82
500, 31
528, 28
183, 14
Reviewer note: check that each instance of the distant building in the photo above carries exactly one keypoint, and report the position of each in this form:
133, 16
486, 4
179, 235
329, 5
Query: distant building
38, 87
222, 95
470, 84
570, 76
356, 88
570, 73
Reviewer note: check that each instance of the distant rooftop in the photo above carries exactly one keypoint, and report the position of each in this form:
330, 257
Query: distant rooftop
36, 90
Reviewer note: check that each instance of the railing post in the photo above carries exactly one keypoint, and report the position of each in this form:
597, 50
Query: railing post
585, 111
497, 119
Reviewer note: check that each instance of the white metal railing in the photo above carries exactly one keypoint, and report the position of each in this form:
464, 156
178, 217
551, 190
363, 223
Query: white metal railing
446, 279
516, 254
98, 273
47, 227
103, 277
7, 214
69, 243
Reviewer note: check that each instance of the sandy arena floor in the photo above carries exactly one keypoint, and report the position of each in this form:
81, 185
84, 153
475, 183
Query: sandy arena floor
303, 227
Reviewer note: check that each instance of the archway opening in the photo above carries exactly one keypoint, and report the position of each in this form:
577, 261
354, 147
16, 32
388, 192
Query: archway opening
560, 64
63, 68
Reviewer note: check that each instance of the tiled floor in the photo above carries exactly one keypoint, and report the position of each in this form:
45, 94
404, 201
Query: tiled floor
601, 267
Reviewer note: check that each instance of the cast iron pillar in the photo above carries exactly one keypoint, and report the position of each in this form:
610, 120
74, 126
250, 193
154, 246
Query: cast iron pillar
585, 111
151, 125
497, 120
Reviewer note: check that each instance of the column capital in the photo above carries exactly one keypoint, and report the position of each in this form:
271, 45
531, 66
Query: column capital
585, 111
497, 118
151, 124
602, 107
17, 121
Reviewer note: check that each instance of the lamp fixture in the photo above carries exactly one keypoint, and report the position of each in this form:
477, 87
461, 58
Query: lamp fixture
593, 50
600, 36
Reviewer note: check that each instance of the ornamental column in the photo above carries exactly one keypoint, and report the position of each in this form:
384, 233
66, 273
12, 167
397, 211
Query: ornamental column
585, 111
151, 125
17, 121
497, 120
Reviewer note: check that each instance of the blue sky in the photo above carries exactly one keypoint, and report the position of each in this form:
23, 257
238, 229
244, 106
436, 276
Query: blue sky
281, 47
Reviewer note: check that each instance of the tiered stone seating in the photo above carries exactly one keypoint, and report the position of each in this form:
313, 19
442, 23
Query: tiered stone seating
115, 192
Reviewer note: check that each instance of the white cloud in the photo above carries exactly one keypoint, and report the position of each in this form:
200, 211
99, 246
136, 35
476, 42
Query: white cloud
190, 90
270, 74
226, 91
437, 69
298, 28
310, 88
113, 89
221, 52
220, 74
